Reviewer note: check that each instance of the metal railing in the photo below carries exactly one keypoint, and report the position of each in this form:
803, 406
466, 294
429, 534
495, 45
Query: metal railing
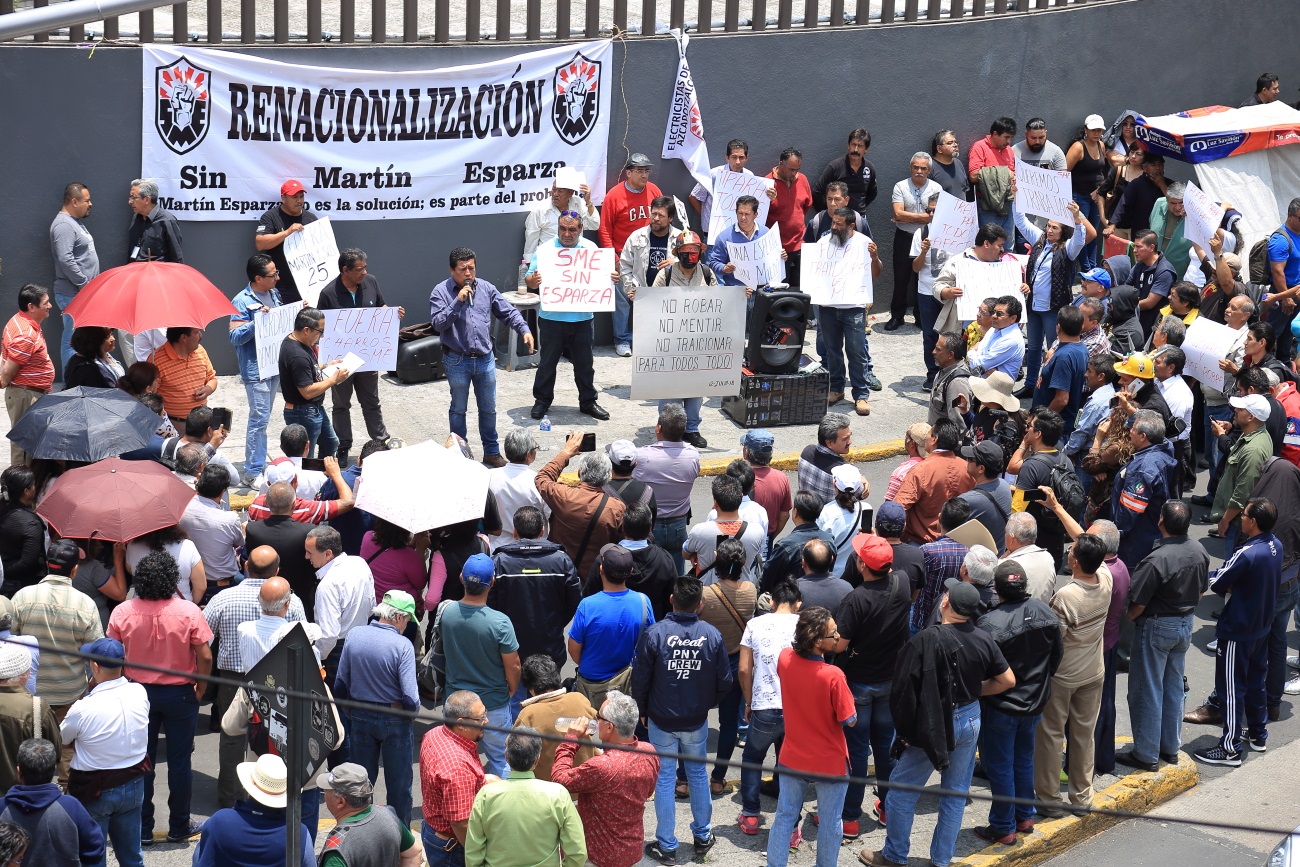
259, 22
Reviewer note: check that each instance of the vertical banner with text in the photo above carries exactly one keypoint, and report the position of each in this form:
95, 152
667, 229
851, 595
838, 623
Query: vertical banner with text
727, 188
688, 341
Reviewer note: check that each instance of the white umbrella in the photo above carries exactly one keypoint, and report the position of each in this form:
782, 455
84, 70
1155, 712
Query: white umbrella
422, 487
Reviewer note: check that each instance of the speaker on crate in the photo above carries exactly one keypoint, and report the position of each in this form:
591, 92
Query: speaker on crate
776, 331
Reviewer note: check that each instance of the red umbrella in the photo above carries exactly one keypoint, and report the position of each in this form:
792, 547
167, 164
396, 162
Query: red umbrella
115, 500
146, 295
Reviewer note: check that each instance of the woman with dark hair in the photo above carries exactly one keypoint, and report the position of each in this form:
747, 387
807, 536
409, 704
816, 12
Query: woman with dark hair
102, 575
1087, 159
93, 364
22, 532
452, 546
1049, 282
13, 844
842, 516
1125, 143
139, 378
176, 542
1117, 180
396, 560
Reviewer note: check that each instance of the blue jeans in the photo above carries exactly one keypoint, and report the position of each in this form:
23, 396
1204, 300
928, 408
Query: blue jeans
493, 744
622, 315
692, 405
914, 768
1103, 761
670, 534
1212, 453
174, 711
789, 806
436, 854
1040, 326
843, 331
310, 799
65, 339
1155, 684
1280, 319
873, 733
1008, 224
691, 743
1008, 753
320, 432
261, 401
462, 372
927, 308
1277, 649
377, 736
517, 701
729, 708
1088, 210
117, 810
765, 729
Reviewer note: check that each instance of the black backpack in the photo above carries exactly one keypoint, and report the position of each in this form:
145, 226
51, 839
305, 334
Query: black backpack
1069, 492
1260, 272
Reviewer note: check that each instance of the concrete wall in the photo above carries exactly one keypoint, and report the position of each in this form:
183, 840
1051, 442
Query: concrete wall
72, 116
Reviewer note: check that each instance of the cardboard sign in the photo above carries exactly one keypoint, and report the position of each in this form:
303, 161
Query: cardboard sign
687, 341
1044, 193
370, 333
576, 279
1205, 345
569, 178
727, 188
1203, 217
835, 275
979, 280
313, 257
954, 226
759, 262
270, 328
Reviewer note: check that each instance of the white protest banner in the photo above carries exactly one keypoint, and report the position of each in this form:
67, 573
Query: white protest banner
1043, 193
728, 186
831, 274
759, 262
1206, 344
687, 341
979, 280
1203, 217
576, 279
221, 131
368, 332
684, 134
270, 328
313, 257
954, 225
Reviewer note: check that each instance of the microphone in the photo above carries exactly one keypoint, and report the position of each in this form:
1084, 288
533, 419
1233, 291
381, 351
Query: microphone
472, 285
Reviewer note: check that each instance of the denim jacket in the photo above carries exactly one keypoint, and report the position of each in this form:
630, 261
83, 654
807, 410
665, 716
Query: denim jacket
243, 337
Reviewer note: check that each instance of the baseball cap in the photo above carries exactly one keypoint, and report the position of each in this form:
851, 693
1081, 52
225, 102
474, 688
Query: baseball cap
349, 778
478, 570
963, 598
873, 551
890, 518
1094, 121
402, 601
63, 555
291, 187
109, 647
639, 160
281, 470
986, 453
758, 440
1233, 261
846, 477
616, 561
1010, 573
1097, 275
621, 452
1255, 404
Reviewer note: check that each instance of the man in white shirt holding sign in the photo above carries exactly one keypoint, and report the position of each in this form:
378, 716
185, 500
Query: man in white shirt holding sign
543, 222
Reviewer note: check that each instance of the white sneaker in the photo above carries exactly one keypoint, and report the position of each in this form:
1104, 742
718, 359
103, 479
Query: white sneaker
254, 482
1213, 646
1292, 686
623, 350
1293, 661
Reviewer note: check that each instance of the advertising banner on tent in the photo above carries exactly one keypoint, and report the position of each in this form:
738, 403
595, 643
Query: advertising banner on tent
222, 131
1201, 135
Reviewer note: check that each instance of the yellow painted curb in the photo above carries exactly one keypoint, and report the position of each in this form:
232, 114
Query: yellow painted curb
1134, 793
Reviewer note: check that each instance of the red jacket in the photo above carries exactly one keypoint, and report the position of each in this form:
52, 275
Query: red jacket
983, 154
623, 212
1290, 400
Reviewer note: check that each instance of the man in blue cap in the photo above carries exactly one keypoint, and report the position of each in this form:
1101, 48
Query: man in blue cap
771, 487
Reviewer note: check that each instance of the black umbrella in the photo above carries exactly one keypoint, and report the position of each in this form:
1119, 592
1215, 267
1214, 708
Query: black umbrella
84, 424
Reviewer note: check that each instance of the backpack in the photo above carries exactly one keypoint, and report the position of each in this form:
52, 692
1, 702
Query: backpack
432, 670
1260, 272
1069, 492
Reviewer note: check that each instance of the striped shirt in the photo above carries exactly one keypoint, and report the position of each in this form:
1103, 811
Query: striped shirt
57, 614
179, 378
24, 344
234, 606
304, 511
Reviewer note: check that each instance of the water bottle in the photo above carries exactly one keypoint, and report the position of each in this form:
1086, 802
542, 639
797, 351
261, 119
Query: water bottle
563, 723
545, 426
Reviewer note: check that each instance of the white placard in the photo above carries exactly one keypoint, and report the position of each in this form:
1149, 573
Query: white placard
1206, 344
270, 328
313, 257
221, 131
729, 186
759, 262
1203, 217
1043, 193
687, 341
569, 178
954, 226
368, 332
350, 362
979, 280
835, 275
576, 279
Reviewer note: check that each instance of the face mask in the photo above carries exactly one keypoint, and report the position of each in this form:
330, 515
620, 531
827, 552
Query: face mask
690, 258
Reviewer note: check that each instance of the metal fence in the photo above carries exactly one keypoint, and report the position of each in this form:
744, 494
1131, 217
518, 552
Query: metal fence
267, 22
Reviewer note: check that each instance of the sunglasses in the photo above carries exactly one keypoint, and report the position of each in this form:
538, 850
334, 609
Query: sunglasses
574, 214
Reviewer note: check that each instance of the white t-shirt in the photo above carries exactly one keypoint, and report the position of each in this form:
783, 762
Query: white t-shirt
514, 487
841, 526
1178, 394
934, 262
914, 201
183, 552
702, 541
766, 636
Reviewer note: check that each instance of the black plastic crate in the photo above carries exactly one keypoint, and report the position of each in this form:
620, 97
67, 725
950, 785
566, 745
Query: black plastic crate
767, 400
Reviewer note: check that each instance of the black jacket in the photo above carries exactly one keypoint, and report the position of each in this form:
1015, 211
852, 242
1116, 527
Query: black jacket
653, 574
681, 672
537, 587
22, 548
81, 370
1280, 482
921, 696
335, 296
1029, 634
787, 555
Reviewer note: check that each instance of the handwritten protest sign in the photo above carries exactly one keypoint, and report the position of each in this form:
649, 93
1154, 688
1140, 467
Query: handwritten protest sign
270, 328
576, 279
313, 257
729, 186
368, 332
1203, 217
954, 225
1205, 345
1043, 193
569, 178
759, 262
687, 341
980, 280
832, 274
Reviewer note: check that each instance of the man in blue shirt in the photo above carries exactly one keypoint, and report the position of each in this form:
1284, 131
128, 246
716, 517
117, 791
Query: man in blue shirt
607, 628
744, 231
562, 331
1003, 347
1060, 384
1284, 277
258, 295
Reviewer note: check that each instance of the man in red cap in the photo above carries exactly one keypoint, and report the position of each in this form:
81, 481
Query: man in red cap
278, 224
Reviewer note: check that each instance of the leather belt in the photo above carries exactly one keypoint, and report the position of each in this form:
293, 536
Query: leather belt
29, 388
220, 582
450, 842
1287, 585
468, 355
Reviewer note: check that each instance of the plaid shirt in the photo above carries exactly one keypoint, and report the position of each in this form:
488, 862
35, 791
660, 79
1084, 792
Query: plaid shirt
612, 789
236, 605
815, 465
450, 777
942, 558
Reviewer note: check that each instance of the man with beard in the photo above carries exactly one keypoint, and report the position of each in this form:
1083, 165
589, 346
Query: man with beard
274, 228
854, 170
646, 250
843, 325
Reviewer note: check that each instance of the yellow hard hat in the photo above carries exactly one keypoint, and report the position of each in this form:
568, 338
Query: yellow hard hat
1138, 365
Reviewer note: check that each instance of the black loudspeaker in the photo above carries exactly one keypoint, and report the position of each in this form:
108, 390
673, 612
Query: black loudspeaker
776, 331
420, 360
